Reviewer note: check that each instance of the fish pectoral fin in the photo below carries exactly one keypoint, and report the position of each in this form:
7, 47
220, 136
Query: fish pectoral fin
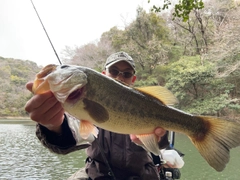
87, 128
150, 143
159, 92
96, 111
40, 84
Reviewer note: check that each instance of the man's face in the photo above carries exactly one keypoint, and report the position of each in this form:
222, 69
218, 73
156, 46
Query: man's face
124, 69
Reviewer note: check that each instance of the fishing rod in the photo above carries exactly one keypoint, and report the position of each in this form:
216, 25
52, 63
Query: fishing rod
46, 33
101, 149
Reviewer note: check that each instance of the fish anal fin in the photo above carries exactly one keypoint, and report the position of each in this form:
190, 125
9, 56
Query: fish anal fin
86, 129
150, 142
215, 145
159, 92
96, 111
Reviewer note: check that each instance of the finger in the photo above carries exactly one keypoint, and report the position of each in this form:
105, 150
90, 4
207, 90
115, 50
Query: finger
29, 86
56, 111
50, 105
45, 109
159, 131
38, 101
55, 116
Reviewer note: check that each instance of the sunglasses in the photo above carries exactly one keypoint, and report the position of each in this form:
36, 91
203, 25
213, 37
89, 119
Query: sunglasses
115, 73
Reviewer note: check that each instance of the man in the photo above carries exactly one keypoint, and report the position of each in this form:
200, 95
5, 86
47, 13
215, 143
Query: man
111, 155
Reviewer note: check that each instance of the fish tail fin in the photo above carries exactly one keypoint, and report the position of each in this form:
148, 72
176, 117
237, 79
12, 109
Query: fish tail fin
215, 143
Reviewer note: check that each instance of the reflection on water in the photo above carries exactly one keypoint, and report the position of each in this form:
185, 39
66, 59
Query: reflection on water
23, 157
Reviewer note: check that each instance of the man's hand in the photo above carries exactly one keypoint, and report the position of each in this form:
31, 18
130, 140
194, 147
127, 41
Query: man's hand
159, 132
172, 158
45, 110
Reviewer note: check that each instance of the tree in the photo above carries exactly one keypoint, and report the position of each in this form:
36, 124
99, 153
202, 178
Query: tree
213, 34
182, 9
147, 40
198, 60
195, 34
196, 87
224, 50
91, 55
13, 94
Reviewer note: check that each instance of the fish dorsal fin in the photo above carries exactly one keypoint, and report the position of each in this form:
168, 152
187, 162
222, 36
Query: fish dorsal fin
159, 92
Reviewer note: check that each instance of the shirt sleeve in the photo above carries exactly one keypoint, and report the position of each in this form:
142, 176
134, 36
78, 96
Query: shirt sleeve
70, 139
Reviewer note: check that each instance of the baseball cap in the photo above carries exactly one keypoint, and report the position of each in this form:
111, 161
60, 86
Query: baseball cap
117, 57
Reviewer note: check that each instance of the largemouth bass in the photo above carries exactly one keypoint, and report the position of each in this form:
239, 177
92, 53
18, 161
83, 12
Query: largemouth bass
98, 100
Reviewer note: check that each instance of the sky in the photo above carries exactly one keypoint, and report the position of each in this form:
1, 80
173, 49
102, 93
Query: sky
67, 22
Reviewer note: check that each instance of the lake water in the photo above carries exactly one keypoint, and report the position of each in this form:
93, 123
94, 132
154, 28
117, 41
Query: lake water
23, 157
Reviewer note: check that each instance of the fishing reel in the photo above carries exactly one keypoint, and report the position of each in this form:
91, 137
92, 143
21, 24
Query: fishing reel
169, 173
166, 173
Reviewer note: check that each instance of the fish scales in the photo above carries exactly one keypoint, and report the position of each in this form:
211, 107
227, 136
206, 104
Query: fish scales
97, 99
129, 105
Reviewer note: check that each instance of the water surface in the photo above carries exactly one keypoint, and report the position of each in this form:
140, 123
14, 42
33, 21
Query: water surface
23, 157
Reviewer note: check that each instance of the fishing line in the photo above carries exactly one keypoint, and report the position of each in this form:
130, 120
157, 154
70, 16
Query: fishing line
172, 139
46, 33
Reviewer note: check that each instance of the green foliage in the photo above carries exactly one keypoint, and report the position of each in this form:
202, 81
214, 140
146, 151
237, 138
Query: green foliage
13, 94
175, 52
194, 84
182, 9
187, 72
17, 80
197, 60
146, 81
212, 105
116, 36
146, 40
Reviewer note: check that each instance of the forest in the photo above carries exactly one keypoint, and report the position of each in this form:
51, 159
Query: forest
15, 74
197, 59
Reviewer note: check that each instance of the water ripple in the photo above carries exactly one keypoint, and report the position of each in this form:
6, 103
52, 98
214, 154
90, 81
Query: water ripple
23, 157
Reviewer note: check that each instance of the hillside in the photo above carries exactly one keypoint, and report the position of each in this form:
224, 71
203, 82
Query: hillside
15, 74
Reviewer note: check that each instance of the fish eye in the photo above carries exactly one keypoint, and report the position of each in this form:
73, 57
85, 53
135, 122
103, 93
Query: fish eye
64, 66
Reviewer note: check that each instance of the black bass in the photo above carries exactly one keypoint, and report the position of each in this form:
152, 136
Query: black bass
97, 99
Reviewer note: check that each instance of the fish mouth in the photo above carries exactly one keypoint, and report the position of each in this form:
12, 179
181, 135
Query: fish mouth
75, 96
68, 85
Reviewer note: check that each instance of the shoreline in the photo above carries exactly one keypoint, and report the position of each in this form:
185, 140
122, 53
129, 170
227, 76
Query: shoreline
14, 118
17, 120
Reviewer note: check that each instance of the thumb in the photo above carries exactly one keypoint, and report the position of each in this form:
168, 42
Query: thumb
159, 131
29, 86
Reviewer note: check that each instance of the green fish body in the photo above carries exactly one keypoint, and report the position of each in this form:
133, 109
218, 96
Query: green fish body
97, 99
